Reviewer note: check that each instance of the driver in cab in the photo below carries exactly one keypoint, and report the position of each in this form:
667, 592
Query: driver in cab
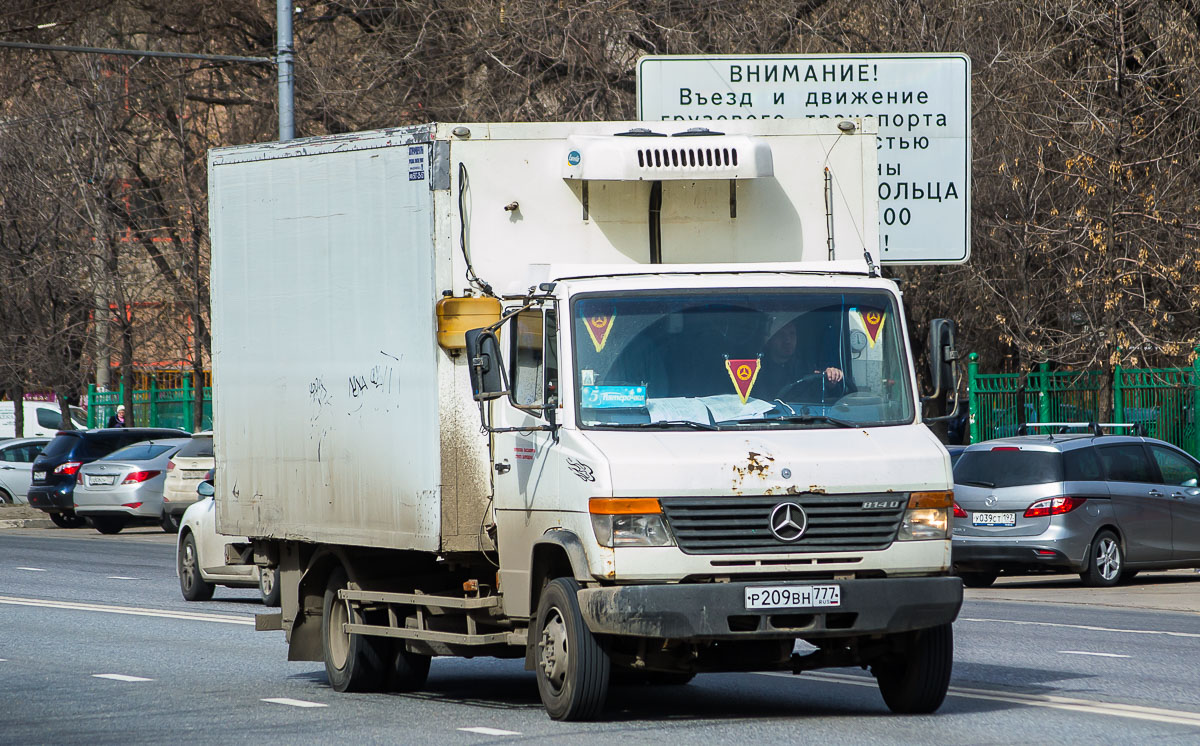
794, 370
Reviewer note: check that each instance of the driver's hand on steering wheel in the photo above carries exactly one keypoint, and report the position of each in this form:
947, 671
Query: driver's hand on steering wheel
831, 373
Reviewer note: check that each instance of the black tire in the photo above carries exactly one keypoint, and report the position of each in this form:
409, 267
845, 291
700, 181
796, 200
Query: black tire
915, 681
268, 585
1128, 576
107, 524
572, 667
408, 671
169, 523
1105, 561
353, 663
6, 498
67, 519
193, 587
978, 579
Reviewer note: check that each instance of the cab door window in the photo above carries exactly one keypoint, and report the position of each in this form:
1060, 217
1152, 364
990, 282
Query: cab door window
1176, 469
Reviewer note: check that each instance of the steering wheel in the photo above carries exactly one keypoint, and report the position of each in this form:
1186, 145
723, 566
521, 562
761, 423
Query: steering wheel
812, 380
858, 399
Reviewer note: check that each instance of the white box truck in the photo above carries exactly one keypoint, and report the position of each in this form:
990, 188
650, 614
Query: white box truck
629, 401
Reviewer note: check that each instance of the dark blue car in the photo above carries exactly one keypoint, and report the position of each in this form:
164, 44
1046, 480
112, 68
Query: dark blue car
55, 470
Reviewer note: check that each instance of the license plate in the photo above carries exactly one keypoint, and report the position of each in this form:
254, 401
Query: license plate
194, 473
793, 596
39, 475
994, 519
102, 479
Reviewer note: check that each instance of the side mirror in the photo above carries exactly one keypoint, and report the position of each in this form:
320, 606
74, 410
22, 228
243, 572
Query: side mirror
942, 355
487, 365
206, 489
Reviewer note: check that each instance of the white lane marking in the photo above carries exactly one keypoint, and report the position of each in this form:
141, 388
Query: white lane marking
33, 569
293, 702
1086, 627
120, 577
1098, 655
3, 660
1136, 712
119, 677
491, 731
133, 610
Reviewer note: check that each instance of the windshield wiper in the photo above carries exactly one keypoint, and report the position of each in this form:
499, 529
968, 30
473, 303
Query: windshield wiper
804, 419
978, 483
664, 424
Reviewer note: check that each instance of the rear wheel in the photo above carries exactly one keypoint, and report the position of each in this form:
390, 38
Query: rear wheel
106, 524
67, 519
268, 586
408, 671
915, 680
6, 497
978, 579
572, 668
353, 663
193, 586
1105, 561
170, 523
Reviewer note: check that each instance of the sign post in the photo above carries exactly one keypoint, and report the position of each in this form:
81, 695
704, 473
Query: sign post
922, 103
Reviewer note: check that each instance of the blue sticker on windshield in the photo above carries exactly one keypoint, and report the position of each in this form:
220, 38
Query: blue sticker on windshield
613, 397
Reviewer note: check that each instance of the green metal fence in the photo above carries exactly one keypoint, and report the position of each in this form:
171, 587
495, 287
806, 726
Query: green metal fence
152, 407
1163, 400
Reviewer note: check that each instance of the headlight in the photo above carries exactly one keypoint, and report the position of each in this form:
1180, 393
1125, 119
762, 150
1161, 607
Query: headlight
924, 523
927, 517
636, 522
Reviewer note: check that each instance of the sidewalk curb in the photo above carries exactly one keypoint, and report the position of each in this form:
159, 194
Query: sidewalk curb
26, 523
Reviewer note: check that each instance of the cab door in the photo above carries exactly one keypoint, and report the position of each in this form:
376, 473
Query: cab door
525, 454
1180, 478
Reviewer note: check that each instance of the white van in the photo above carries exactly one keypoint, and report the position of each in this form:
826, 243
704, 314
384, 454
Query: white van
41, 418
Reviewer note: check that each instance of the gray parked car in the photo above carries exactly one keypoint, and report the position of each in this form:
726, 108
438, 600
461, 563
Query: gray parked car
1103, 506
126, 486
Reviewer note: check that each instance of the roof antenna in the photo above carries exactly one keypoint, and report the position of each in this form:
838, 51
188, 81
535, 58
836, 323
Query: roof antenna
872, 270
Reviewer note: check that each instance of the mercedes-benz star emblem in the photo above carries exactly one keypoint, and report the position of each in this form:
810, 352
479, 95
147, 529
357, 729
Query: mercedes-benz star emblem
788, 521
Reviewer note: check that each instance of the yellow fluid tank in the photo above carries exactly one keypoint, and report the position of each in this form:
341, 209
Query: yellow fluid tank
457, 315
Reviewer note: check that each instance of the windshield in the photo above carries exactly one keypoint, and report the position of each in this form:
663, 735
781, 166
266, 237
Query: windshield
1008, 467
737, 359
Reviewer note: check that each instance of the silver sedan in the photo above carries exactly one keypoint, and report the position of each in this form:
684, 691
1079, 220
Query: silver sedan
125, 486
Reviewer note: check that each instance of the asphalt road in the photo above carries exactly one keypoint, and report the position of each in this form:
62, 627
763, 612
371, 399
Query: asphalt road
99, 647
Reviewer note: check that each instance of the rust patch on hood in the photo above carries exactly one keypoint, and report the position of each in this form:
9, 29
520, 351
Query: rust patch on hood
757, 465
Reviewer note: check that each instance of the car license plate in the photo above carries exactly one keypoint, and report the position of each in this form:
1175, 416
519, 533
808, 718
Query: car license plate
98, 479
994, 519
793, 596
39, 475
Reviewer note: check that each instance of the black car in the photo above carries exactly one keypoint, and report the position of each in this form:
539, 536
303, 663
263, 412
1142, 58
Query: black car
54, 471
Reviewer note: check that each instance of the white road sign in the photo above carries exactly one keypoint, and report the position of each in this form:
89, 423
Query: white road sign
922, 103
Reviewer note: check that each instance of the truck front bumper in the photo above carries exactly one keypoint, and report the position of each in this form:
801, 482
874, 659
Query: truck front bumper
717, 611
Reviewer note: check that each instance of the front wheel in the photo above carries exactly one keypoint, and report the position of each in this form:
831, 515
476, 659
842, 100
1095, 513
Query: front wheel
572, 668
915, 679
353, 663
193, 587
1105, 561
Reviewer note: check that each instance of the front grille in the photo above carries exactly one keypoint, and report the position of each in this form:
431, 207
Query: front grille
741, 525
